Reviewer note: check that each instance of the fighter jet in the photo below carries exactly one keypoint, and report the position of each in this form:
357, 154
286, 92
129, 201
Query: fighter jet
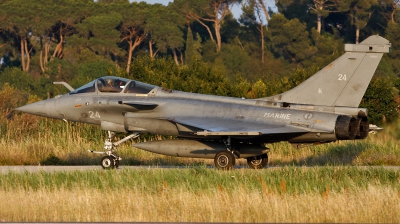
322, 109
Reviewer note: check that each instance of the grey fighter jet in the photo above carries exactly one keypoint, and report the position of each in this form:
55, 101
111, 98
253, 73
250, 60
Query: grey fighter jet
322, 109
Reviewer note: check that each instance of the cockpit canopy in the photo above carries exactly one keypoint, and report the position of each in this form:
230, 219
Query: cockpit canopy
113, 84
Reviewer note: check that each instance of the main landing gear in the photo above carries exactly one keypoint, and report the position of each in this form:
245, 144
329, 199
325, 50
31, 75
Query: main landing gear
225, 160
111, 160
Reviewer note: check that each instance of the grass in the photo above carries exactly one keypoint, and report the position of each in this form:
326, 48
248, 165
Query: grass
372, 205
198, 194
296, 180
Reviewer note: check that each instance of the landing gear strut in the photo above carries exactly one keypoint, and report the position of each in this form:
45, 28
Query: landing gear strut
111, 160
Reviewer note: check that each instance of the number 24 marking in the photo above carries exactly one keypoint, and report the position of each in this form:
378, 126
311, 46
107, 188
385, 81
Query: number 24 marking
94, 115
342, 77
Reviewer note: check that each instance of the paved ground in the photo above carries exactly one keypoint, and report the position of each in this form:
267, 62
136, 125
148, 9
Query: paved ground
34, 169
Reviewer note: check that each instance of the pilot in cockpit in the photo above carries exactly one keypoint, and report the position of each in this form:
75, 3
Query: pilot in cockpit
111, 85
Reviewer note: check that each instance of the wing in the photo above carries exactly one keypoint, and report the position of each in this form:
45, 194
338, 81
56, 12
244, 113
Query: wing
221, 126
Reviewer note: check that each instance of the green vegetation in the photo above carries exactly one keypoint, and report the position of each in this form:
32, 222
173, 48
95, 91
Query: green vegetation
296, 180
193, 46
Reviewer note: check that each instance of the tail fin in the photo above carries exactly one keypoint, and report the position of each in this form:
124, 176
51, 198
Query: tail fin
344, 81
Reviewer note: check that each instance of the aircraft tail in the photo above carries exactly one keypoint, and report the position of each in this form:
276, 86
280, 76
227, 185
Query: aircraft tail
344, 81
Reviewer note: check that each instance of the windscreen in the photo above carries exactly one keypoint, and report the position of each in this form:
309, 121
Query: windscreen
112, 84
87, 88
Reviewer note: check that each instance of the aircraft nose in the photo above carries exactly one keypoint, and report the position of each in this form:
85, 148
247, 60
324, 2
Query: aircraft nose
39, 108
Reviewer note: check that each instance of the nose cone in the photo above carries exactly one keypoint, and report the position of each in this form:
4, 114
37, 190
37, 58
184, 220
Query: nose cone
38, 108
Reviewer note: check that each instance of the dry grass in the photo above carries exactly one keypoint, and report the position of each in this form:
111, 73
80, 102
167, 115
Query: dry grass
292, 194
373, 205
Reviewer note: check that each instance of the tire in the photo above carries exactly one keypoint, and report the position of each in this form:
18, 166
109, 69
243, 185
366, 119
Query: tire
258, 162
224, 160
108, 162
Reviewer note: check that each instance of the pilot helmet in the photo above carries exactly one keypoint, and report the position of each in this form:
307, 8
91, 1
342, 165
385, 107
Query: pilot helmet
109, 82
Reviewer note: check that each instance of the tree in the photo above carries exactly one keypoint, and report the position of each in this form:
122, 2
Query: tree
321, 8
379, 100
252, 14
290, 39
3, 17
329, 47
359, 11
67, 21
389, 9
42, 31
164, 30
292, 9
305, 9
192, 48
112, 1
132, 30
392, 34
99, 34
21, 17
206, 11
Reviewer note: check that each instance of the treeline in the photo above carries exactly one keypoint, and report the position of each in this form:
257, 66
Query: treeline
195, 46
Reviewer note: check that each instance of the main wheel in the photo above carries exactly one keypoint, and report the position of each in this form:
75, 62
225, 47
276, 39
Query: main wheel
108, 162
258, 162
224, 160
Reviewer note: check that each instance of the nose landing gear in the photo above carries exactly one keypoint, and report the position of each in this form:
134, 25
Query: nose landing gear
111, 160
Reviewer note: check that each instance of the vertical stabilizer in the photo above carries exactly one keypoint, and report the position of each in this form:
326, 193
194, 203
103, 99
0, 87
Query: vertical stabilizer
344, 81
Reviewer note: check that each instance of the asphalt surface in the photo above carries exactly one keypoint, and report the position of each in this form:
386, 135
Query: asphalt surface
35, 169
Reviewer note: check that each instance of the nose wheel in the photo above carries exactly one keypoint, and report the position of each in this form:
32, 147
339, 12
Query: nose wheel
109, 162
